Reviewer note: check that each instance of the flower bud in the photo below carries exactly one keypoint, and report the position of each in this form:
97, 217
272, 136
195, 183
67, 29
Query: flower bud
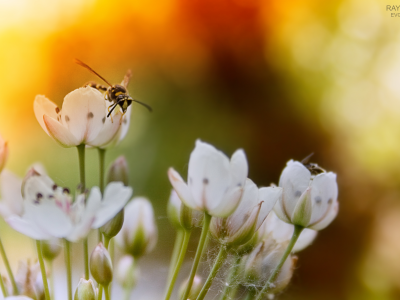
3, 153
127, 272
138, 235
101, 266
29, 280
112, 227
118, 171
182, 216
51, 248
85, 290
195, 289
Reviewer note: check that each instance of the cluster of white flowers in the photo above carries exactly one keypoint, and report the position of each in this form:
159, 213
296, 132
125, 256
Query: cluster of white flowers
258, 230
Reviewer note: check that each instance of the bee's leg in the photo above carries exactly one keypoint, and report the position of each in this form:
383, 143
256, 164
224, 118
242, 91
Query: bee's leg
122, 117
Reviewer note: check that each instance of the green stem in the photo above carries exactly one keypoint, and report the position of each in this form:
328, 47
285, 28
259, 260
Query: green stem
178, 264
100, 295
50, 263
86, 257
102, 159
251, 293
127, 293
106, 292
8, 267
106, 242
199, 252
3, 287
217, 265
296, 233
230, 287
175, 252
43, 270
67, 256
81, 155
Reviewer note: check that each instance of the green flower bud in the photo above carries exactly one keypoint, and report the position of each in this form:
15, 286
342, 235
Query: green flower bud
112, 227
101, 266
118, 171
195, 289
127, 273
85, 290
51, 248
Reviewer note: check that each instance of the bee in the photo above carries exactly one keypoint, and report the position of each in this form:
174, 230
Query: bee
117, 93
313, 168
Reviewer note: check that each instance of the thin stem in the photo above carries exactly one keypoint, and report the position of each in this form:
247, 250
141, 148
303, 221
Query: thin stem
217, 265
67, 256
50, 263
43, 270
3, 287
81, 155
199, 252
175, 252
230, 287
102, 159
178, 265
106, 292
8, 267
127, 293
86, 257
251, 293
106, 242
100, 295
296, 233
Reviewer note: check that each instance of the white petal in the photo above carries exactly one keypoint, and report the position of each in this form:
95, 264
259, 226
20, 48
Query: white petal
182, 190
247, 204
38, 184
306, 238
278, 209
18, 298
324, 193
50, 218
330, 216
43, 106
228, 204
82, 113
269, 196
125, 124
60, 133
108, 132
27, 227
208, 175
294, 180
80, 230
116, 195
239, 168
11, 193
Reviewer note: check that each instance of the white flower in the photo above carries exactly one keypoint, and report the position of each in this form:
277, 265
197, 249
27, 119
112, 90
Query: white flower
254, 207
49, 210
308, 200
138, 235
215, 183
3, 153
281, 232
82, 119
11, 200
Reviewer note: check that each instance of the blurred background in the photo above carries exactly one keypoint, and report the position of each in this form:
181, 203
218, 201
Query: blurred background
280, 79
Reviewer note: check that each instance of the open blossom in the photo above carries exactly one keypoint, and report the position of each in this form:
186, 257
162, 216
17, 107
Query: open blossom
254, 207
49, 210
81, 120
309, 200
215, 183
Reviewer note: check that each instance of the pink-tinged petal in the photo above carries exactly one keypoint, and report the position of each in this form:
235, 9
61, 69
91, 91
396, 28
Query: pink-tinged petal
11, 202
294, 180
43, 106
269, 196
60, 133
324, 194
330, 216
108, 132
239, 168
209, 175
27, 227
182, 190
50, 218
82, 113
116, 195
228, 204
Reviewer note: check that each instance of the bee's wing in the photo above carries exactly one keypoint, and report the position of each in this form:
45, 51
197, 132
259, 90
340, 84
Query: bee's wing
127, 78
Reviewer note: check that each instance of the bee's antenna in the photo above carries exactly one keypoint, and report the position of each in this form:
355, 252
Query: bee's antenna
82, 64
144, 104
307, 158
